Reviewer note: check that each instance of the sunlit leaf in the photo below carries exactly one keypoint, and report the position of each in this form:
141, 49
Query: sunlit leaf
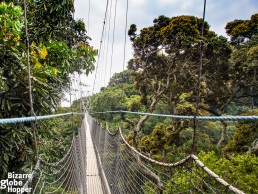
37, 65
43, 52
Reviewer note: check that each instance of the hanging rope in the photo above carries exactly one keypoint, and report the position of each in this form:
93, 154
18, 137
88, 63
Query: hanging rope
122, 168
198, 99
33, 124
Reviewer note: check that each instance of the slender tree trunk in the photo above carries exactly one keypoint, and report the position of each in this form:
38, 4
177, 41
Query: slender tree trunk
223, 136
165, 155
135, 142
154, 100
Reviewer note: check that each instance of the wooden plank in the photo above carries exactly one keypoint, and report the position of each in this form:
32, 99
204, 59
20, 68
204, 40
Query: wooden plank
93, 180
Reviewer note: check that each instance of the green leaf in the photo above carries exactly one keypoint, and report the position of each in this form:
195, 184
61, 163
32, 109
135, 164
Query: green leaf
6, 157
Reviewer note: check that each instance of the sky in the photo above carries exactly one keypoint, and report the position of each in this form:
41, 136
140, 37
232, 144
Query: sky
142, 13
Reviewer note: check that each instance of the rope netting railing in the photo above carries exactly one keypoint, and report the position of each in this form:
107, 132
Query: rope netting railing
129, 171
68, 175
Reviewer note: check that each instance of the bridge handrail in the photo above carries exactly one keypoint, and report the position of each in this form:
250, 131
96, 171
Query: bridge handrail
214, 175
181, 162
33, 118
210, 118
150, 159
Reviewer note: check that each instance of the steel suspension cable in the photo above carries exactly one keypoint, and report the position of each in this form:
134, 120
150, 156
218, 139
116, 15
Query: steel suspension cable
208, 118
113, 38
81, 95
126, 21
102, 53
102, 66
124, 54
198, 99
89, 17
100, 47
109, 20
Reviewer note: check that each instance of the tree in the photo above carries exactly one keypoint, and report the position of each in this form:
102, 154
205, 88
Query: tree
108, 100
241, 31
166, 61
245, 137
116, 96
51, 63
245, 55
120, 78
237, 78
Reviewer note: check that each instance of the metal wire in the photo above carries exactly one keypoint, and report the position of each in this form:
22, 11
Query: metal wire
103, 28
125, 34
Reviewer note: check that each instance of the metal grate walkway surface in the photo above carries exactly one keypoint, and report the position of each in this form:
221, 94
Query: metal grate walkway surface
94, 185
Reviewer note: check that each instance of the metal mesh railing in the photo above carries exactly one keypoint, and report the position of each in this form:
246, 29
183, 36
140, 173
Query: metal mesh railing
126, 170
65, 176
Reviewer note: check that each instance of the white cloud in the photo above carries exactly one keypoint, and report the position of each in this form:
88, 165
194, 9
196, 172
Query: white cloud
137, 3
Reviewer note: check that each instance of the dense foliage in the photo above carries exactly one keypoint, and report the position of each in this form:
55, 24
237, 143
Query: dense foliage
58, 47
240, 170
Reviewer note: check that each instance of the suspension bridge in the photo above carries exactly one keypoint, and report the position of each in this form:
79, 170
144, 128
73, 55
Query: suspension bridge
99, 161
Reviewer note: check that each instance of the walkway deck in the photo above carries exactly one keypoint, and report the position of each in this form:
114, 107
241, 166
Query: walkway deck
94, 185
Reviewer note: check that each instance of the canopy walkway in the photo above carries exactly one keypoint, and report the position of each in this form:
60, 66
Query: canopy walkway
99, 161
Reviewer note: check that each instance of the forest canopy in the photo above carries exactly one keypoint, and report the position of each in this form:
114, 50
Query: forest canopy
162, 77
